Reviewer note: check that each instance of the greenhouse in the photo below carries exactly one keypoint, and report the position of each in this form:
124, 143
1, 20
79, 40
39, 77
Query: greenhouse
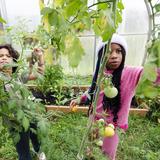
80, 80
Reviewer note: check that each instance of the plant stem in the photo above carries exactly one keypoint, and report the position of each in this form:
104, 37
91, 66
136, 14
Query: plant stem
8, 116
97, 91
114, 11
153, 17
95, 4
91, 119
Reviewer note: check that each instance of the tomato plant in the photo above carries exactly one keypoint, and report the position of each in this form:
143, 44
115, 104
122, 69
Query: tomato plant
2, 20
149, 87
63, 22
19, 108
110, 91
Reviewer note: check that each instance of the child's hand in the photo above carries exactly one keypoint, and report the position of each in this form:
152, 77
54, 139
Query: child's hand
73, 103
38, 53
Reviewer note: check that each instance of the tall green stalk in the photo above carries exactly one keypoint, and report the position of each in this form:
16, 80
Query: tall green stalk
100, 76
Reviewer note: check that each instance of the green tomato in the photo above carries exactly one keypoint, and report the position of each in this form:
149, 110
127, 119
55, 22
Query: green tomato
99, 143
110, 92
111, 125
101, 121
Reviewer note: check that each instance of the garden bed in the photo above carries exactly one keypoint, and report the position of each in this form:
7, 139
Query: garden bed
84, 109
76, 89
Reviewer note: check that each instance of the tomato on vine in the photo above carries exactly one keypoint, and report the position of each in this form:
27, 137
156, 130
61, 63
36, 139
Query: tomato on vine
109, 130
110, 91
99, 143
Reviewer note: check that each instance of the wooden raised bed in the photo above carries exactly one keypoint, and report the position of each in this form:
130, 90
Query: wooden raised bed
84, 109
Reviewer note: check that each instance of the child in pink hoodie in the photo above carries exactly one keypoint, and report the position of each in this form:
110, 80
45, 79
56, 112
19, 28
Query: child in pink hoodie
125, 79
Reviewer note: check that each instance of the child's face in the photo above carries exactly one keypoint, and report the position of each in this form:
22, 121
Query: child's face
5, 58
115, 57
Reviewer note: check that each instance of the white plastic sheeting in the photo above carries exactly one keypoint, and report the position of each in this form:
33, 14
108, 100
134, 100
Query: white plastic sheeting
135, 29
16, 10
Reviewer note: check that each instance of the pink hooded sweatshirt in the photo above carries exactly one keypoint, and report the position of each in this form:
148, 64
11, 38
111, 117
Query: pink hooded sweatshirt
129, 79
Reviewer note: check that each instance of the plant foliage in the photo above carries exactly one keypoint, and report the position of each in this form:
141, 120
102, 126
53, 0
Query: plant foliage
64, 21
18, 108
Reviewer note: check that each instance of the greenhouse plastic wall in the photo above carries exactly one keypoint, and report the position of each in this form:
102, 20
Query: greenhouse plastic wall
135, 28
15, 10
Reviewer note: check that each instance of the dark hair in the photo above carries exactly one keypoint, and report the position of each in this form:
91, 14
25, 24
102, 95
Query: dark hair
113, 104
14, 54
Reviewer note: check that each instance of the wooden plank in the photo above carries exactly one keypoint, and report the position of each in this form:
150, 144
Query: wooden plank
79, 87
138, 111
84, 109
66, 109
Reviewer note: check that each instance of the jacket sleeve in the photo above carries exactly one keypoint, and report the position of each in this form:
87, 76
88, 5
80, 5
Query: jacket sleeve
88, 97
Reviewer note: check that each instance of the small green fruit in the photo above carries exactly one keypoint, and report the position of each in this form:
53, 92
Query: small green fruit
111, 125
110, 92
101, 121
99, 143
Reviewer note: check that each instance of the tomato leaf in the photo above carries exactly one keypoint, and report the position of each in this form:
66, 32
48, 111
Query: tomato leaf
53, 18
48, 55
25, 123
2, 20
20, 114
150, 72
58, 3
41, 4
72, 8
157, 7
120, 5
45, 11
42, 126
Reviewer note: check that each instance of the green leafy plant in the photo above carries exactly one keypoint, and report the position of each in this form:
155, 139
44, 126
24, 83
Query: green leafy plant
66, 134
18, 108
7, 149
64, 21
2, 20
154, 112
149, 87
77, 80
17, 34
52, 80
52, 86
